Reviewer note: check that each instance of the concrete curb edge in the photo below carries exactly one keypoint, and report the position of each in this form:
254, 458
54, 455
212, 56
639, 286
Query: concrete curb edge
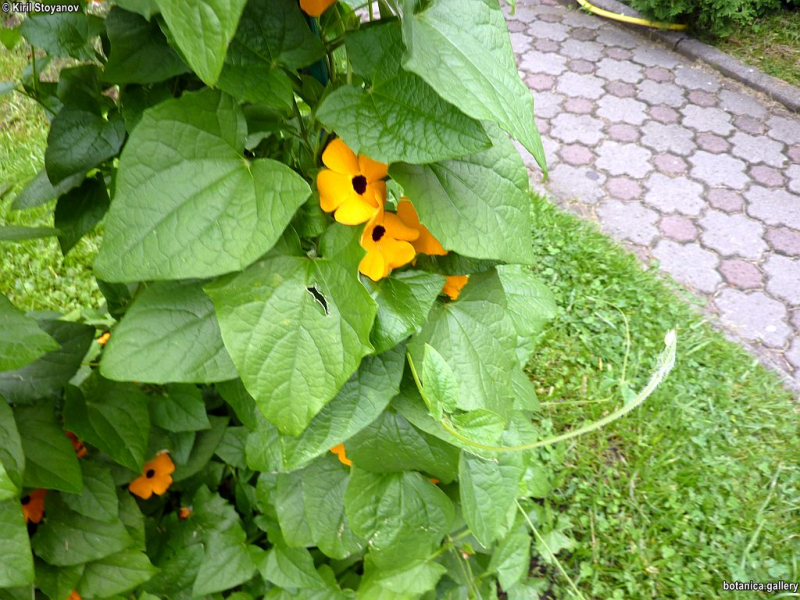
778, 90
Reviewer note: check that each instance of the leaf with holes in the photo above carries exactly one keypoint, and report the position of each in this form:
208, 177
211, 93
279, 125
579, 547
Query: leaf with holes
293, 365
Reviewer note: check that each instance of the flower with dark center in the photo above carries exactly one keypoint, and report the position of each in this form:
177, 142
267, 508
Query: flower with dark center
425, 243
156, 477
351, 187
33, 506
387, 242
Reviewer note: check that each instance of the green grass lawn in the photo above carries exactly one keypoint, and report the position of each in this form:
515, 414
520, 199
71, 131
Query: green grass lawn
700, 484
771, 43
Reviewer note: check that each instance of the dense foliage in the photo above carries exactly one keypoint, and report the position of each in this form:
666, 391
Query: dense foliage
307, 379
715, 17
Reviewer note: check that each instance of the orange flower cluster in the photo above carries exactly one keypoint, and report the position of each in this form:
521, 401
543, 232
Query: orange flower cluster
353, 189
156, 477
314, 8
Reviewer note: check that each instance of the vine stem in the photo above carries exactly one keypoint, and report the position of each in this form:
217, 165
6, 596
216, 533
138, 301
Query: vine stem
664, 364
574, 589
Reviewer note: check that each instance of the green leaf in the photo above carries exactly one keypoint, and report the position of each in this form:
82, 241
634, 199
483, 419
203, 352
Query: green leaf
187, 203
419, 578
512, 557
9, 37
146, 8
402, 515
80, 140
79, 210
263, 448
202, 29
293, 365
530, 306
179, 408
21, 339
169, 334
99, 497
397, 117
291, 510
139, 50
362, 398
111, 416
80, 87
391, 444
56, 583
482, 426
115, 575
226, 564
12, 456
50, 460
469, 61
39, 190
291, 568
242, 403
205, 445
270, 34
439, 381
488, 490
524, 392
64, 34
67, 538
476, 339
18, 233
46, 376
16, 560
404, 300
478, 205
231, 448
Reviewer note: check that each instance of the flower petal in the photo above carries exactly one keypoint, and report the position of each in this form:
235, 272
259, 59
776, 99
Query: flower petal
141, 487
397, 253
162, 464
371, 169
373, 265
334, 189
340, 158
355, 211
376, 190
425, 243
454, 284
160, 484
397, 229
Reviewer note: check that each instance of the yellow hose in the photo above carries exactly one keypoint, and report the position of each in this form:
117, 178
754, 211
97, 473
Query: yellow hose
625, 19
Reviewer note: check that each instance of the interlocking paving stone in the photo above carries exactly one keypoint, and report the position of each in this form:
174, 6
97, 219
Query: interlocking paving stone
674, 194
741, 274
732, 235
784, 278
690, 264
758, 149
631, 222
677, 162
755, 316
624, 159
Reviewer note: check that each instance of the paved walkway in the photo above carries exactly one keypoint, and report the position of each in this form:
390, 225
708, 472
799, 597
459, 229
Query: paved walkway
683, 166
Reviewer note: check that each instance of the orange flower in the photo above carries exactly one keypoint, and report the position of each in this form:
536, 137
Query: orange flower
425, 243
33, 506
103, 339
452, 287
185, 512
351, 186
79, 446
433, 480
314, 8
387, 242
74, 595
338, 450
155, 477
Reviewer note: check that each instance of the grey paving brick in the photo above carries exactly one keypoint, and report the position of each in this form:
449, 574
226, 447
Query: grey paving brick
741, 104
631, 222
617, 70
689, 264
582, 86
591, 51
783, 278
621, 110
732, 235
741, 274
696, 79
656, 93
674, 194
713, 120
547, 104
784, 130
718, 170
582, 184
758, 149
618, 37
793, 353
793, 175
755, 316
549, 31
773, 207
624, 159
571, 128
543, 62
655, 56
668, 138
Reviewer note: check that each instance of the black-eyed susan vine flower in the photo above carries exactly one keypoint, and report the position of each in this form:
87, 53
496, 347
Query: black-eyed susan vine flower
314, 8
74, 595
452, 287
185, 512
387, 241
77, 445
33, 506
156, 477
352, 187
338, 450
103, 339
425, 243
